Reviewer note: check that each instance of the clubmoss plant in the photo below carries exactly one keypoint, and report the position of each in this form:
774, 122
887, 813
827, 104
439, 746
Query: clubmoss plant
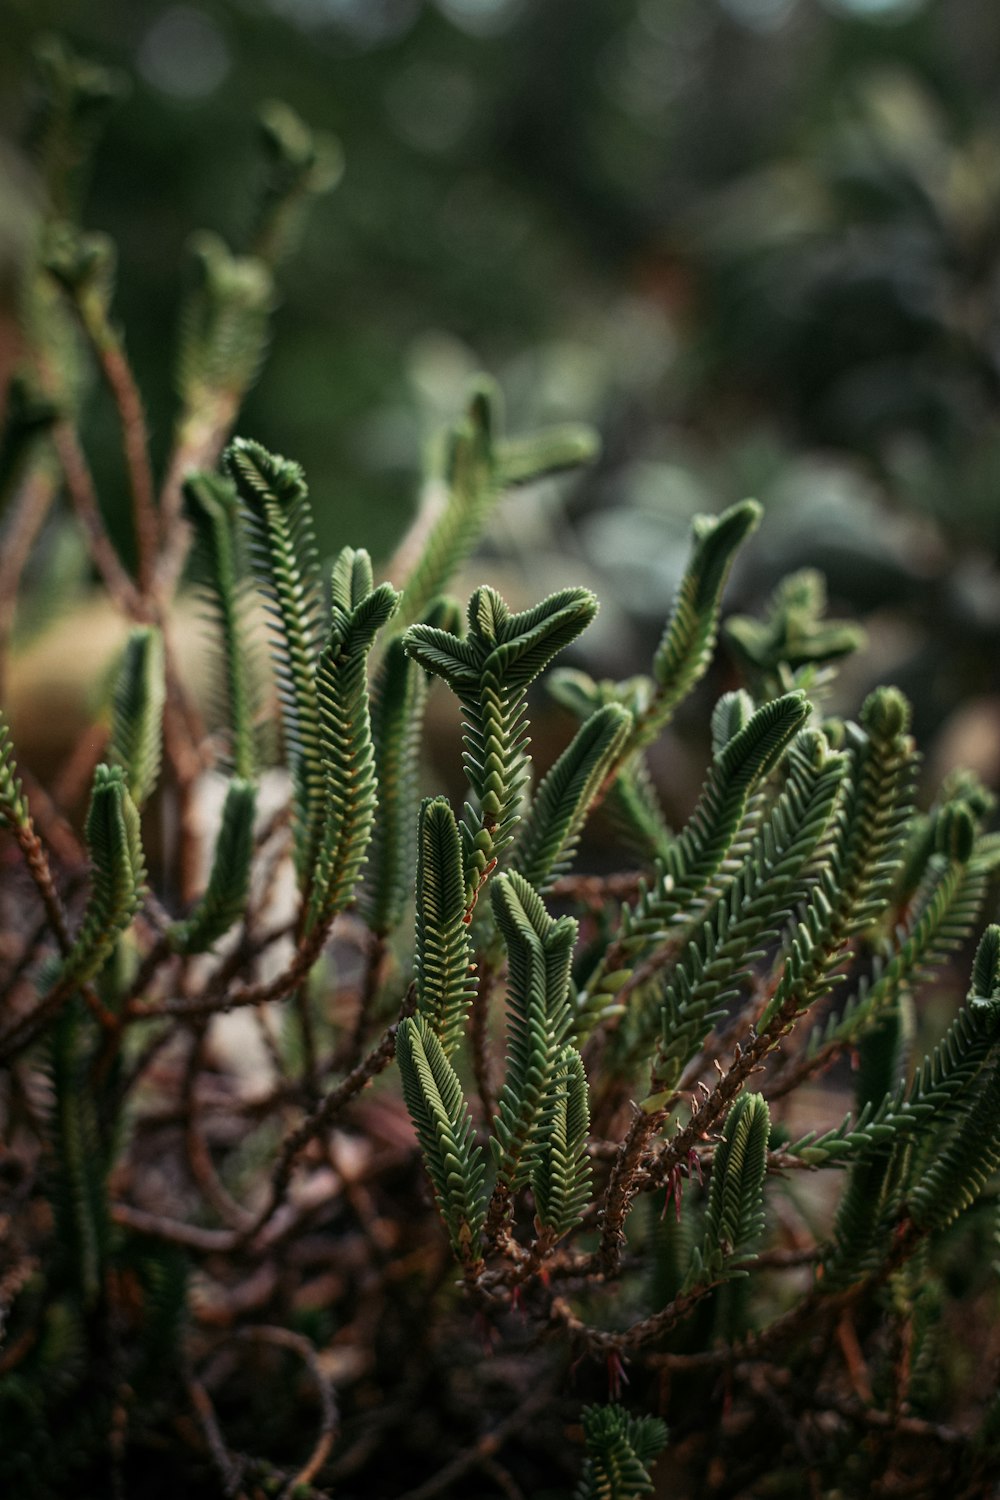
515, 1137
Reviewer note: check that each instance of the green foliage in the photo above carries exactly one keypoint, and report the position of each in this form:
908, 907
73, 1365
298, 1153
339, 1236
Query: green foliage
358, 612
747, 916
225, 896
447, 1137
84, 265
164, 1279
489, 670
688, 642
76, 95
548, 838
13, 803
478, 467
866, 853
954, 1083
118, 879
81, 1163
700, 850
633, 808
283, 549
682, 879
225, 321
793, 639
734, 1220
398, 701
213, 508
927, 1149
620, 1451
955, 1159
941, 918
680, 661
443, 951
137, 716
539, 952
803, 878
299, 164
561, 1176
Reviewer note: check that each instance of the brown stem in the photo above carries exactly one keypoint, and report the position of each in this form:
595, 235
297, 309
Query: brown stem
23, 523
17, 964
747, 1060
83, 497
135, 443
486, 1448
55, 828
374, 971
603, 1341
480, 1040
23, 1030
199, 1159
822, 1306
174, 1231
285, 1338
805, 1067
229, 1469
622, 1187
316, 1124
40, 871
215, 997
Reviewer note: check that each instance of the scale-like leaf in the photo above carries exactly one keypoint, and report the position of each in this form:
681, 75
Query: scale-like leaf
746, 917
792, 636
867, 848
957, 1157
347, 754
213, 506
479, 466
225, 321
548, 837
443, 951
225, 897
735, 1216
539, 951
620, 1451
446, 1134
698, 853
118, 878
685, 650
561, 1173
137, 721
489, 671
283, 549
13, 803
300, 165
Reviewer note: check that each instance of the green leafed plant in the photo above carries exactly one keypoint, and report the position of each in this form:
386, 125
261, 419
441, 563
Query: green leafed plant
609, 1151
620, 1450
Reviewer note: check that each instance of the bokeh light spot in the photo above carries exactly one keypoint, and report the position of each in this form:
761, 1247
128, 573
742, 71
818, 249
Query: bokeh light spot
760, 15
879, 10
430, 106
364, 24
481, 17
184, 53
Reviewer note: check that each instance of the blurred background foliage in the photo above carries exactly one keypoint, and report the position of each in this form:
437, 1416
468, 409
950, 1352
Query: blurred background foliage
755, 242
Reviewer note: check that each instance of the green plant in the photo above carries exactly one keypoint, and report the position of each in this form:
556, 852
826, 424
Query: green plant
179, 1235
